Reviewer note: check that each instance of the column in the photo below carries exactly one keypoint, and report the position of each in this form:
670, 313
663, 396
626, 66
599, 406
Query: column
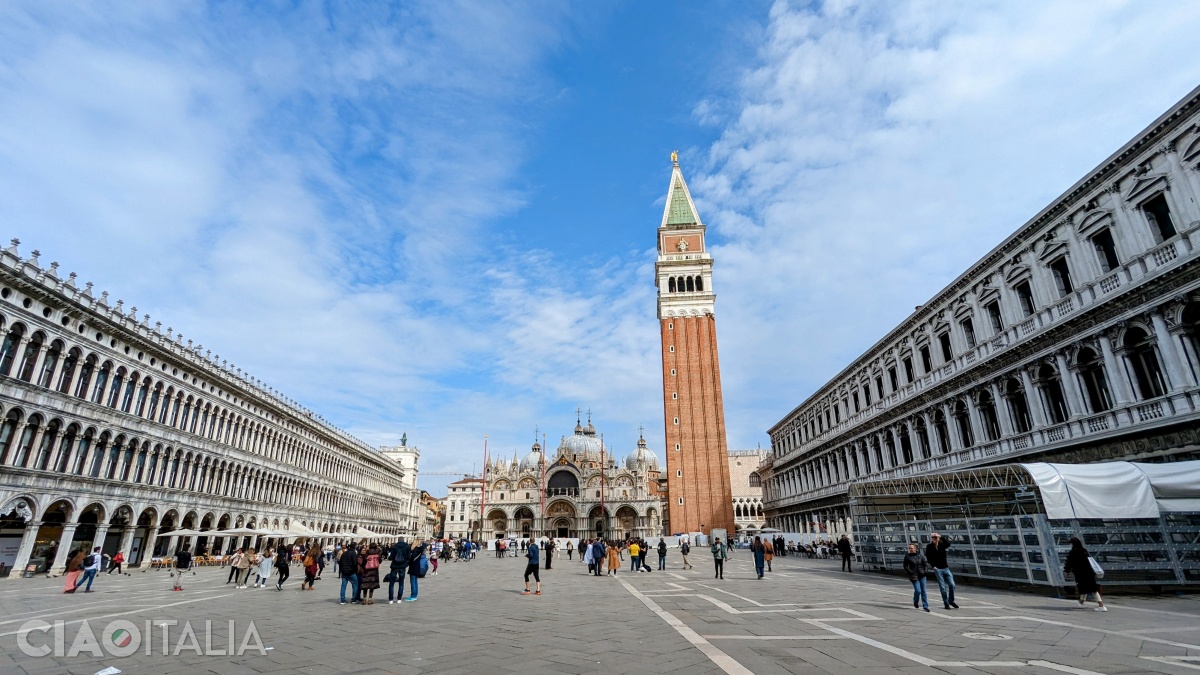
913, 442
148, 546
101, 533
1002, 413
956, 441
64, 546
1033, 400
973, 419
1172, 362
1114, 368
26, 549
127, 539
1066, 381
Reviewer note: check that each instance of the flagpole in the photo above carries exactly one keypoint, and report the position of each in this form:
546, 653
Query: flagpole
603, 513
483, 487
543, 485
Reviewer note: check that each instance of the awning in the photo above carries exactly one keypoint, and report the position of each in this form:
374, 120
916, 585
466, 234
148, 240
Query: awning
364, 533
1116, 490
301, 531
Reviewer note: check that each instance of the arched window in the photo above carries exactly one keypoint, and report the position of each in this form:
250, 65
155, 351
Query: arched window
755, 479
127, 461
1051, 389
64, 449
155, 397
8, 349
987, 415
922, 438
29, 360
1143, 362
127, 398
25, 444
962, 418
49, 363
1018, 406
139, 473
114, 458
699, 283
1093, 380
68, 370
142, 395
101, 382
85, 377
81, 460
42, 459
97, 459
114, 394
671, 285
691, 285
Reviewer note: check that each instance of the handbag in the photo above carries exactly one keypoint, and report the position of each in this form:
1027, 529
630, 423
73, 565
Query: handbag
1096, 568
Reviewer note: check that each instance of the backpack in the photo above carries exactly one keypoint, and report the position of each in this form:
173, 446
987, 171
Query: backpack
422, 566
372, 562
89, 560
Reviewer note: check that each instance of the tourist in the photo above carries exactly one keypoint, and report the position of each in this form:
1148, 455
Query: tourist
399, 556
847, 550
935, 553
368, 574
243, 568
433, 562
282, 564
760, 556
684, 549
588, 556
599, 553
569, 549
916, 566
116, 563
91, 565
233, 568
662, 554
531, 552
1079, 564
74, 570
183, 563
414, 569
550, 546
613, 554
719, 554
642, 552
348, 568
265, 562
634, 550
312, 566
768, 552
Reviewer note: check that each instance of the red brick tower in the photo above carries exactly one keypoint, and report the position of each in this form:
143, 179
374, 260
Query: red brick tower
699, 493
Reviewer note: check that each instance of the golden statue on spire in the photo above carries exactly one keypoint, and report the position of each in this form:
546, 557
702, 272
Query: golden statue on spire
674, 156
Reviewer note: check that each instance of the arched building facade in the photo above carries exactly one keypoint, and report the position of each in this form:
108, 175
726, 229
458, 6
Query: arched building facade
589, 491
115, 433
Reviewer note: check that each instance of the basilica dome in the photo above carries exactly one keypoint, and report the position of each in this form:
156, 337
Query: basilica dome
641, 455
584, 442
533, 461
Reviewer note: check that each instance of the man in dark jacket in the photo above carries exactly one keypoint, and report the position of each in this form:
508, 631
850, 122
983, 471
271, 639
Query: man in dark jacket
399, 556
847, 550
662, 554
935, 553
348, 566
915, 566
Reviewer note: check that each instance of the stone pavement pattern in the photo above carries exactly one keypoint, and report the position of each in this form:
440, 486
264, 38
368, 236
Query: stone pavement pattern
806, 617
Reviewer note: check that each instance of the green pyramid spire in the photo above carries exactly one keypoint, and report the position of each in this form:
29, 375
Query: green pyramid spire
680, 208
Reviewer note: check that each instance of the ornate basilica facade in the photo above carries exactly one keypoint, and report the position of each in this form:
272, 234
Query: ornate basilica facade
588, 491
116, 433
1076, 339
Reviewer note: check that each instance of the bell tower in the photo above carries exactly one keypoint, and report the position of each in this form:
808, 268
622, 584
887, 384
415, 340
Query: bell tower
699, 492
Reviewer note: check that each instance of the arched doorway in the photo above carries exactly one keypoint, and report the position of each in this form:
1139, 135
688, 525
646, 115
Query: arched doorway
598, 521
626, 521
16, 536
524, 520
499, 523
561, 515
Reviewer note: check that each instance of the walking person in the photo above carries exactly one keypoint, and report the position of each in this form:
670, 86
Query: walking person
532, 568
233, 570
312, 566
760, 556
634, 550
243, 568
282, 564
116, 563
917, 567
74, 571
662, 554
569, 549
588, 557
642, 556
719, 554
348, 568
368, 574
550, 545
399, 556
265, 563
599, 553
183, 563
935, 553
684, 549
613, 553
91, 565
847, 550
768, 552
1079, 564
414, 569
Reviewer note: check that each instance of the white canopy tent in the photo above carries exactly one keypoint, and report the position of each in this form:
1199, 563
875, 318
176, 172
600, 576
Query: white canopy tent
1116, 490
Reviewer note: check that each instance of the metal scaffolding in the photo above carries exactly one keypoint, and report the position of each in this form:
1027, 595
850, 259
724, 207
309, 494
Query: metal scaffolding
996, 522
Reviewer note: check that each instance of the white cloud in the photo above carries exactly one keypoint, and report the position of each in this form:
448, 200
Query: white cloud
881, 148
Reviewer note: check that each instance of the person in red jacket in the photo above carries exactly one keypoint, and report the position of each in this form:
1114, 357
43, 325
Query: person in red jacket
115, 564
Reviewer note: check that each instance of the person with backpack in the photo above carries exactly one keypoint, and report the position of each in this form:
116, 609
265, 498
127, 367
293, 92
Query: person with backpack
368, 574
348, 568
91, 565
719, 554
183, 563
399, 556
662, 554
418, 566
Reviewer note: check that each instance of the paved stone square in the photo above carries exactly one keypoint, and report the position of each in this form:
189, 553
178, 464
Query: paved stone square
806, 617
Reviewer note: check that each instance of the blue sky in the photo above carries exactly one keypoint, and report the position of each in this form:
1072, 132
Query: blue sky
439, 218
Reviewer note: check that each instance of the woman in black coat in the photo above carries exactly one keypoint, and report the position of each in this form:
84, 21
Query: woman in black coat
1085, 577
